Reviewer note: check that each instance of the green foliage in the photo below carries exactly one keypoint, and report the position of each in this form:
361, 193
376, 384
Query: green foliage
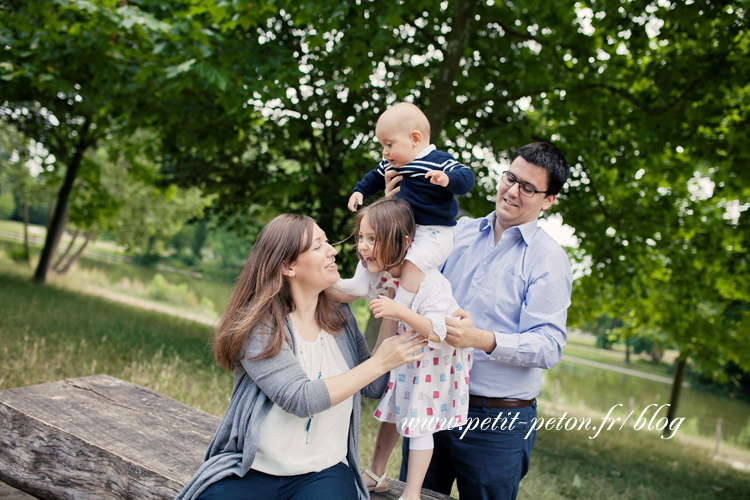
7, 204
271, 107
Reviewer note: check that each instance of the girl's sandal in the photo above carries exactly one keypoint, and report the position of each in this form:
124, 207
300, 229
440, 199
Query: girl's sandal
380, 484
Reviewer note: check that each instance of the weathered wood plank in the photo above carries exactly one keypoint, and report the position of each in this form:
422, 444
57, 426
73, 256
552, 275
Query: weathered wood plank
100, 437
8, 493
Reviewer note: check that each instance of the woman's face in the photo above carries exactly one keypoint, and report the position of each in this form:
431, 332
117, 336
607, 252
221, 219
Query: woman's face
315, 268
366, 247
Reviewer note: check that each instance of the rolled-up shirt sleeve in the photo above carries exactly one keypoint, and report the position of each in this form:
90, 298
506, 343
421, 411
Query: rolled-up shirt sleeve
543, 315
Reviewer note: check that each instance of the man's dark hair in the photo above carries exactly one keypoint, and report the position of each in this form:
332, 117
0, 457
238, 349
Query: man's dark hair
550, 158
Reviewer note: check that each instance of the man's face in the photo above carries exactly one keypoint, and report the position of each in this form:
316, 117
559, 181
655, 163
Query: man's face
511, 207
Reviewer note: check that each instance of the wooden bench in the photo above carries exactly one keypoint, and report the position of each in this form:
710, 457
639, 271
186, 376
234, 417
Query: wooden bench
102, 438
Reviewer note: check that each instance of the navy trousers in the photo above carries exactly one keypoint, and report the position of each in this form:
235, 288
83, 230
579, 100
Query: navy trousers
488, 464
337, 482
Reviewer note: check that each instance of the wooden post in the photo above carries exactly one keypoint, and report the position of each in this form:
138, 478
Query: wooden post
718, 435
555, 394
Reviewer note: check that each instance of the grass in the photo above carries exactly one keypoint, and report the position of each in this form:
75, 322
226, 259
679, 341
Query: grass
626, 464
49, 333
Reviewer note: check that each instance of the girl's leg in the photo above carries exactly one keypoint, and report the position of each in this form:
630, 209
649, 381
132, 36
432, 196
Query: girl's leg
420, 454
384, 444
388, 328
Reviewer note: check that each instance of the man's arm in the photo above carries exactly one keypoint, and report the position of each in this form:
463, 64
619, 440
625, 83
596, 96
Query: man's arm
542, 333
463, 333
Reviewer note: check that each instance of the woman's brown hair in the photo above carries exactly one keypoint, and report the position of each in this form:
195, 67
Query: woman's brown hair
393, 221
261, 297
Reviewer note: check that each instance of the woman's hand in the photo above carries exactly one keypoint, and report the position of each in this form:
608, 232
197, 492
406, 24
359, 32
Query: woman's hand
392, 181
394, 351
383, 307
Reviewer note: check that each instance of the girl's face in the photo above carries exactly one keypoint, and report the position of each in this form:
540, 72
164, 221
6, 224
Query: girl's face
366, 247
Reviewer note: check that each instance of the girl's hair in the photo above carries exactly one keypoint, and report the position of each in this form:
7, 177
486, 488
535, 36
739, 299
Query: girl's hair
261, 296
393, 221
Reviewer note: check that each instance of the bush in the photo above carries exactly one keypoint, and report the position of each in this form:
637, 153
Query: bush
160, 289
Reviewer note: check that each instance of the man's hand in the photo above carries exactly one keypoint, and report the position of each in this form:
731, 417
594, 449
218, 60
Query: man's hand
383, 307
461, 332
392, 180
438, 177
355, 200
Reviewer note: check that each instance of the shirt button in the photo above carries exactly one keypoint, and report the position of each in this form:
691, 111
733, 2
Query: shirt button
473, 284
485, 263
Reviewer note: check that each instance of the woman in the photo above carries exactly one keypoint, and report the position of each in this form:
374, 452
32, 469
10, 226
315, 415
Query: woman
292, 426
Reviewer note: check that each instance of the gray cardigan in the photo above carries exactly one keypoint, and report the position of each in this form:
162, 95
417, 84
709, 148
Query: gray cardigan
279, 380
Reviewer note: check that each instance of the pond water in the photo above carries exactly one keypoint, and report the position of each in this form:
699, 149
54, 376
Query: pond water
597, 389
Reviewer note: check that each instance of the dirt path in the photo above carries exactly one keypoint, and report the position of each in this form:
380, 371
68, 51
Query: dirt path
147, 304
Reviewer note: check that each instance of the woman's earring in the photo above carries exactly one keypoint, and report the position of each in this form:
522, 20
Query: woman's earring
293, 274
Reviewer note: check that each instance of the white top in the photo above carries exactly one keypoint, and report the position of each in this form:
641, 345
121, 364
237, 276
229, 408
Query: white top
286, 448
430, 395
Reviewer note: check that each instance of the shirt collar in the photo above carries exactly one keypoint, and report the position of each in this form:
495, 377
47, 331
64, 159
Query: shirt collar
429, 149
527, 230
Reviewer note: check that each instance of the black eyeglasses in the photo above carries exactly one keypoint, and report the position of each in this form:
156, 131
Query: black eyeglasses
524, 188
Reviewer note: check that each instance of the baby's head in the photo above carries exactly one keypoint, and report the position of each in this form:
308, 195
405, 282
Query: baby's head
384, 231
403, 131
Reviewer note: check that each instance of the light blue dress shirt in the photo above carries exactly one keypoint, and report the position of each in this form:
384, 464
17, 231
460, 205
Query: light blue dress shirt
520, 290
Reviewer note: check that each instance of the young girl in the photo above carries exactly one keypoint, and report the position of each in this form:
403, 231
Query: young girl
422, 397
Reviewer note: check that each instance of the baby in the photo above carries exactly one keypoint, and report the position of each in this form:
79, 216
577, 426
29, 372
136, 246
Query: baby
430, 179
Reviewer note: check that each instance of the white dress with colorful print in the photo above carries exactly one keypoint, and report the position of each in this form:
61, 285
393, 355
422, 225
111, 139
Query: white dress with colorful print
432, 394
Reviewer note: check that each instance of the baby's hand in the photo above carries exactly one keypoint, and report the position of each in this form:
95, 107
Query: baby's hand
438, 177
355, 200
383, 307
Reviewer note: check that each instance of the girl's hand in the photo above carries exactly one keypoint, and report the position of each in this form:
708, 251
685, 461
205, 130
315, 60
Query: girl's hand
385, 307
394, 351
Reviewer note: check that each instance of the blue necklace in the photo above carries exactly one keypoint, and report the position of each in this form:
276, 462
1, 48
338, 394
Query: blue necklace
320, 375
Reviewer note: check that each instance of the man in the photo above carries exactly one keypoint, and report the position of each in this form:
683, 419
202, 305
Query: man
513, 283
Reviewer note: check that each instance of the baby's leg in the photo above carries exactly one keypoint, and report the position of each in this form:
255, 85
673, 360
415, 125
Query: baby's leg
420, 454
430, 248
358, 285
384, 444
411, 277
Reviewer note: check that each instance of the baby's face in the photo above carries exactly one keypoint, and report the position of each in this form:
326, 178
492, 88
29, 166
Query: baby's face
399, 145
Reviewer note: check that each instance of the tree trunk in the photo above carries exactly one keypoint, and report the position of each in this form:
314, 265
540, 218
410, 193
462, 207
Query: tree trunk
56, 265
455, 46
89, 238
26, 230
674, 399
627, 353
54, 228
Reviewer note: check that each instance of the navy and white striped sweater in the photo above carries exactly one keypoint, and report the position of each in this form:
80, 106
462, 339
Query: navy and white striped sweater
433, 205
